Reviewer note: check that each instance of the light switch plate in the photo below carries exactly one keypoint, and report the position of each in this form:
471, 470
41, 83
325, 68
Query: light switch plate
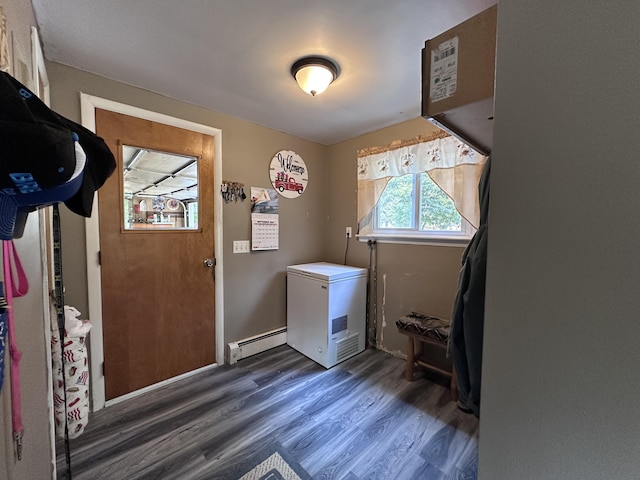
241, 246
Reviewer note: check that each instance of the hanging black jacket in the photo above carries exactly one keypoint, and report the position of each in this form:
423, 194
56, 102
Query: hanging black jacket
467, 321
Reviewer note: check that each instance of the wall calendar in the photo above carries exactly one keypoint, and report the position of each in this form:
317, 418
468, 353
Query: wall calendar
264, 219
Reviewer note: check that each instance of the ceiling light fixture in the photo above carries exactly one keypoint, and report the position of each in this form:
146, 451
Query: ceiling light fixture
314, 74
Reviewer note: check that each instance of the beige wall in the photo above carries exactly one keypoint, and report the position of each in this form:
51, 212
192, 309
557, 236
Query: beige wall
561, 352
410, 277
28, 310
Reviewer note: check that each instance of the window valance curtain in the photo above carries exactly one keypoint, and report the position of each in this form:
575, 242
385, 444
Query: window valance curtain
454, 166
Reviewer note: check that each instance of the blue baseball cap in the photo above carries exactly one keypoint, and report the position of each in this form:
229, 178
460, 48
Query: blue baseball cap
38, 154
16, 206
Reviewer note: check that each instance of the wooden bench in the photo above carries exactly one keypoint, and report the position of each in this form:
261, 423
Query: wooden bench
429, 332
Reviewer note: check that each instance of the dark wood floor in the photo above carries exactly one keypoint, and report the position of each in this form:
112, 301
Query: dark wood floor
359, 420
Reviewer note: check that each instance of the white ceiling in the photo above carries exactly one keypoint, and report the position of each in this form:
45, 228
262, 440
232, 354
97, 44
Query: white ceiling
234, 56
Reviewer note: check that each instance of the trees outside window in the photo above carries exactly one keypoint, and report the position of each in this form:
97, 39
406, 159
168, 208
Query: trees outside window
413, 203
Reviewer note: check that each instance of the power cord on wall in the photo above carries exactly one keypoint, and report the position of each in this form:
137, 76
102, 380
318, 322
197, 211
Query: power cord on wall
346, 248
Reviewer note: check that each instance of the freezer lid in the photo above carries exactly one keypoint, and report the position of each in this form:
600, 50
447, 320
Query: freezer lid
326, 271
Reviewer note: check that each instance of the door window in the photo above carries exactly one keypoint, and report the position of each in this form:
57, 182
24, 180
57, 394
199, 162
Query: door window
160, 190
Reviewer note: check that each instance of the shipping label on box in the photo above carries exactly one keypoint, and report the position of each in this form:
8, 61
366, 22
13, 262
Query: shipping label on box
444, 70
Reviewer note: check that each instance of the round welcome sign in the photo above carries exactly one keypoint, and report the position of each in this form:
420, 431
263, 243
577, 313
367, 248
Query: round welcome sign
288, 173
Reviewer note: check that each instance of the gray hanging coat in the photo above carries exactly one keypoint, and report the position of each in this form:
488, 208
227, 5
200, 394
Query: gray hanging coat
467, 320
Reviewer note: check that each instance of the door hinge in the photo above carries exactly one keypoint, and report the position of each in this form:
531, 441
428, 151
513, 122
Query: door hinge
99, 257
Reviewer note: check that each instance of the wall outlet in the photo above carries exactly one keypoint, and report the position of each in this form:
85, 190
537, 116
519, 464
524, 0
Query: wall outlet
241, 246
348, 232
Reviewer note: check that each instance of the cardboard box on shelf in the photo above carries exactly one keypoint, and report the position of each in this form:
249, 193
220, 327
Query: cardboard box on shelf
458, 75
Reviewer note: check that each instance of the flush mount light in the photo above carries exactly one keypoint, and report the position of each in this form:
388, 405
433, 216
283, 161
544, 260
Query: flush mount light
314, 74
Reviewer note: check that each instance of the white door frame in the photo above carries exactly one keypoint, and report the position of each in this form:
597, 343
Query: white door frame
41, 87
88, 105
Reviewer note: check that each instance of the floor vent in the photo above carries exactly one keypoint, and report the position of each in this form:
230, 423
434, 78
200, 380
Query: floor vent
347, 347
256, 344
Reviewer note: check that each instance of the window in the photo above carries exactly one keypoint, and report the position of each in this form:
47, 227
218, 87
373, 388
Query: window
405, 191
415, 208
160, 190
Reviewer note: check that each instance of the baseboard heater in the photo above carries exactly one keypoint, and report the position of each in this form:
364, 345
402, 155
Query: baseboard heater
256, 344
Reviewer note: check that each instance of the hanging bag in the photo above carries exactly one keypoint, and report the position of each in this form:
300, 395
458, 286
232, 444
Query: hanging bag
71, 387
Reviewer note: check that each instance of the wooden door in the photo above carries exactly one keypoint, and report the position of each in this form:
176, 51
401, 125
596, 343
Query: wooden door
157, 294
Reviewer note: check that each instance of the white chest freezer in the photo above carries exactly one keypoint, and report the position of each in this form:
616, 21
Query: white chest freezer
326, 309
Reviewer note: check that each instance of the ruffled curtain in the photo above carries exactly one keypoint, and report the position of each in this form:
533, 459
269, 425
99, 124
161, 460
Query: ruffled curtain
454, 166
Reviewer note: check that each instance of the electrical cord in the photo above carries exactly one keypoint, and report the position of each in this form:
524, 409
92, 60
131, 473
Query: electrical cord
346, 249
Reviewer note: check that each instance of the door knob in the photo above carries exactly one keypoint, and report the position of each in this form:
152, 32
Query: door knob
209, 262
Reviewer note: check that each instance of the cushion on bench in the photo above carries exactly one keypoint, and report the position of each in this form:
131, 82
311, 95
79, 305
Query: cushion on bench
425, 325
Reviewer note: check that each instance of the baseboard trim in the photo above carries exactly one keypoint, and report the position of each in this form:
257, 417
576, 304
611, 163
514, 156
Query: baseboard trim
256, 344
149, 388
